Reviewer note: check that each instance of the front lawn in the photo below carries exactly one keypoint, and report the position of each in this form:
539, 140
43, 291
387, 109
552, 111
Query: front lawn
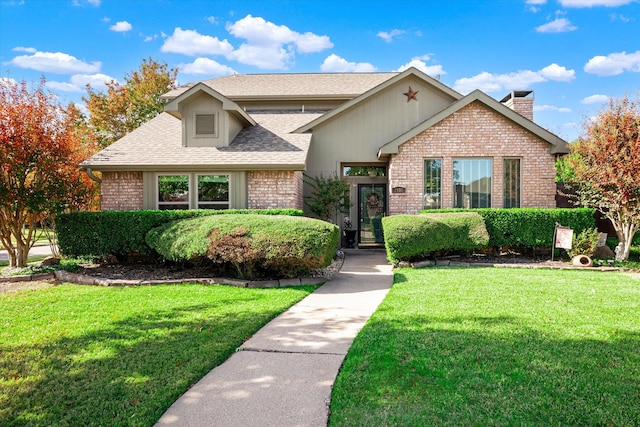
489, 346
81, 355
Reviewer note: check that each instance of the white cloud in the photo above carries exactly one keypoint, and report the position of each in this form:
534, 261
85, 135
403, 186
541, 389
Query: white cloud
419, 62
551, 108
63, 87
97, 81
592, 3
212, 20
272, 46
533, 5
121, 27
95, 3
522, 79
389, 36
55, 62
259, 32
595, 99
8, 80
192, 43
557, 73
334, 63
265, 57
614, 64
78, 83
559, 25
206, 66
25, 49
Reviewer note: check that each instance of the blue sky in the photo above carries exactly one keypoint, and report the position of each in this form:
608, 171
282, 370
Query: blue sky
574, 54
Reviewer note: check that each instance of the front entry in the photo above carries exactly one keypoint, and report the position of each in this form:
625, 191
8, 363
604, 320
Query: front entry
371, 208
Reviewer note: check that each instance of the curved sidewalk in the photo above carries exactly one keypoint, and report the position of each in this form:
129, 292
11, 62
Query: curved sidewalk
283, 375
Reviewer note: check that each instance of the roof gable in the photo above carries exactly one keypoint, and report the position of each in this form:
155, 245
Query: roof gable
379, 88
557, 144
173, 107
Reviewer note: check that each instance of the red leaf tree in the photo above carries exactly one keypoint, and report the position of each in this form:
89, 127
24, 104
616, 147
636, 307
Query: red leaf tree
607, 168
41, 144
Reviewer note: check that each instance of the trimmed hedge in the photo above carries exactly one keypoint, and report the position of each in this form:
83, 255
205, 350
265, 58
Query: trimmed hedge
529, 227
255, 245
410, 237
98, 234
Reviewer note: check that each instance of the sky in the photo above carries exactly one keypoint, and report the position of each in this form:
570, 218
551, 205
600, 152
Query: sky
574, 54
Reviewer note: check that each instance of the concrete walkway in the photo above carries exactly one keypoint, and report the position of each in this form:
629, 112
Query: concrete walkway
284, 374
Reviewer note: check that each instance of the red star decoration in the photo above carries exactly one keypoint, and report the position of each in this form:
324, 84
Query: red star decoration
411, 94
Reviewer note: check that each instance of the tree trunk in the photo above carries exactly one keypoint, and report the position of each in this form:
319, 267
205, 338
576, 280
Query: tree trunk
625, 232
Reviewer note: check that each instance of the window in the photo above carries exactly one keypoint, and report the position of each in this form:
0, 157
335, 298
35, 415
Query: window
371, 171
472, 183
205, 124
511, 183
175, 191
432, 183
213, 191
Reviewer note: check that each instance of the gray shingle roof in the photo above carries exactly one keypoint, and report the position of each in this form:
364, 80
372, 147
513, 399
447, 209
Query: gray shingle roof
157, 144
321, 85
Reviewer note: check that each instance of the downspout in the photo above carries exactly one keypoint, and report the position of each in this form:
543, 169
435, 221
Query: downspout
92, 176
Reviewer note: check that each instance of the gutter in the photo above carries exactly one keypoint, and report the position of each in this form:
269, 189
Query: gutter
92, 176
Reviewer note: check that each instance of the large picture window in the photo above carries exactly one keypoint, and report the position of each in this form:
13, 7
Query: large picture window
511, 183
213, 191
472, 183
432, 184
193, 191
173, 192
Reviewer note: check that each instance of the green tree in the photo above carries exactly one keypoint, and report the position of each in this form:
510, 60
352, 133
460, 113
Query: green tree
41, 144
606, 164
329, 197
125, 107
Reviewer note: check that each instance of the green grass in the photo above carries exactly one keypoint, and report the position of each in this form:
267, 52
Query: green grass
81, 355
495, 347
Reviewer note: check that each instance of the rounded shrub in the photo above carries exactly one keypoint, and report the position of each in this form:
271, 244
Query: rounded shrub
411, 237
255, 245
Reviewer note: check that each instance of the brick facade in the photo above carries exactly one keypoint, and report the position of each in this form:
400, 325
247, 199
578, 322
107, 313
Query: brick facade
274, 189
121, 191
473, 131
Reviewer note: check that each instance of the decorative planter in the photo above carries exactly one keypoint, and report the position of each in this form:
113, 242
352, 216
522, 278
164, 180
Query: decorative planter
582, 261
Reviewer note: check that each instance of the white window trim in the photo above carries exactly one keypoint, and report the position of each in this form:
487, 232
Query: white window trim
215, 124
193, 188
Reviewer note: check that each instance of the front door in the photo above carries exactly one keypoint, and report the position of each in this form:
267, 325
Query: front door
371, 208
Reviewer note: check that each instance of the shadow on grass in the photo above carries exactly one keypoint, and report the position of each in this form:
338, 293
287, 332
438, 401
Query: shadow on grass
474, 370
127, 374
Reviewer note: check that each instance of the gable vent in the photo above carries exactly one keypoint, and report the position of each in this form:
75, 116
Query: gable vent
205, 124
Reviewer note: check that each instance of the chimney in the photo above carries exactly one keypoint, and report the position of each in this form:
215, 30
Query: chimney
520, 101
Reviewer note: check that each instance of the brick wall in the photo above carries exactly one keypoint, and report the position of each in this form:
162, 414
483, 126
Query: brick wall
473, 131
121, 191
274, 189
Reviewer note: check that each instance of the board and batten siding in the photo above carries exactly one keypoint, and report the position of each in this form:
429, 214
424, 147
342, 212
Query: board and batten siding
355, 135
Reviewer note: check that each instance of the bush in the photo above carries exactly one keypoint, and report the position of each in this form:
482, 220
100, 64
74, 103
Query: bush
411, 237
529, 227
256, 245
584, 243
98, 234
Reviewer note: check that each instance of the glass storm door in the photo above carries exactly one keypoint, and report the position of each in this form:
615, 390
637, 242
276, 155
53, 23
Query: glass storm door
371, 208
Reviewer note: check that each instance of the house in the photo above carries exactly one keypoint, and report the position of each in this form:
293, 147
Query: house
403, 140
